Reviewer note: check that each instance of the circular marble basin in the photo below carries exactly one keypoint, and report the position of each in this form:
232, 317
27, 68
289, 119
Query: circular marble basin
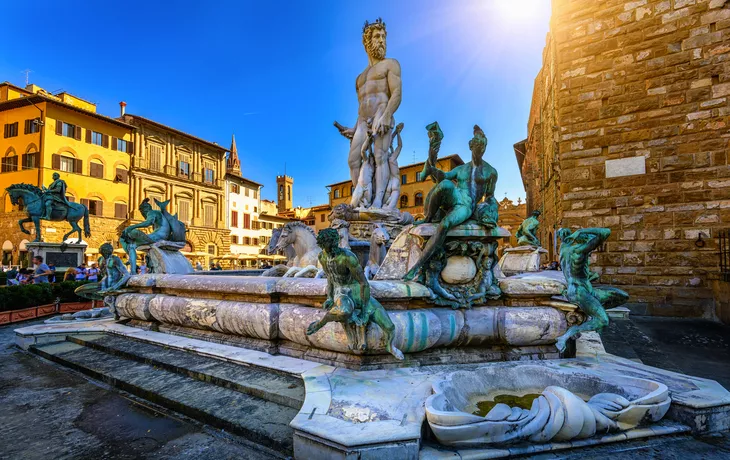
570, 405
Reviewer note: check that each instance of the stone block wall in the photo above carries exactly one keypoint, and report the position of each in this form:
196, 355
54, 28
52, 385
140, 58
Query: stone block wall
641, 95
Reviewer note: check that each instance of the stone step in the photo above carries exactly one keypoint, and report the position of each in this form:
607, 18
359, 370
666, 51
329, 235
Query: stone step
263, 422
280, 388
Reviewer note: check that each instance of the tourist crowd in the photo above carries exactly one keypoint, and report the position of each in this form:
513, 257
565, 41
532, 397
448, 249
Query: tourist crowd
46, 273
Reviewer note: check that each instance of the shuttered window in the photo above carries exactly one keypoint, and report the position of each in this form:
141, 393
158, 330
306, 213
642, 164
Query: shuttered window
122, 175
155, 157
247, 221
183, 211
10, 164
234, 218
183, 169
11, 129
66, 164
92, 137
209, 176
68, 130
120, 210
96, 207
96, 170
32, 126
30, 160
209, 215
234, 239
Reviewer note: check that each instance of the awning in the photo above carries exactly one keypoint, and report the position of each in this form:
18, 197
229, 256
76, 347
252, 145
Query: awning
92, 251
247, 257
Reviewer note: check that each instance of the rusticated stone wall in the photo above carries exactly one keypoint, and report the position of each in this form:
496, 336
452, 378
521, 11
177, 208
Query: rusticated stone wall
640, 92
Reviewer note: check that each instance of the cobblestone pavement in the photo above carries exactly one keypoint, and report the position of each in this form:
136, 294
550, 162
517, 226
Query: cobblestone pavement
691, 346
51, 413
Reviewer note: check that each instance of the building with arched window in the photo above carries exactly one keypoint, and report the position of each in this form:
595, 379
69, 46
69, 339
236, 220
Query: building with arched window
45, 133
414, 187
170, 164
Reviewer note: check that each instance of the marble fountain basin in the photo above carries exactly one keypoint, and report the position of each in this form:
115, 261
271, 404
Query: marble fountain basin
570, 405
272, 314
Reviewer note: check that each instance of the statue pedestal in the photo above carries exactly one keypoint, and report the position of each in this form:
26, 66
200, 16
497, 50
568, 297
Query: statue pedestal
407, 247
461, 274
165, 257
521, 259
360, 223
63, 256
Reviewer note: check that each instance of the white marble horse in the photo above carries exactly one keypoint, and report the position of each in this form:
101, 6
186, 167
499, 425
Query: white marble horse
306, 252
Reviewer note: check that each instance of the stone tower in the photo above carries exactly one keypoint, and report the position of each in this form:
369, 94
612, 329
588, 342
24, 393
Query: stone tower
284, 186
233, 164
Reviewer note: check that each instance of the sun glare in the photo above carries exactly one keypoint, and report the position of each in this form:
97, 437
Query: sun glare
516, 11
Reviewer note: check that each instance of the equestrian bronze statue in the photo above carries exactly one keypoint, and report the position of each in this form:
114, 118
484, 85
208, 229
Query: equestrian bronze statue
49, 204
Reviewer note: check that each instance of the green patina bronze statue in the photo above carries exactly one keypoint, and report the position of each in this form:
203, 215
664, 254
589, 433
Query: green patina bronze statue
456, 197
115, 276
575, 250
49, 204
348, 296
167, 230
527, 233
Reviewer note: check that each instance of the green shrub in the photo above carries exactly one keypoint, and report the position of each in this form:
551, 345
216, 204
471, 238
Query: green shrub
3, 278
32, 295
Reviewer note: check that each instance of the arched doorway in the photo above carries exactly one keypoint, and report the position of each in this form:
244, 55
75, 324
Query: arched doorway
23, 254
7, 258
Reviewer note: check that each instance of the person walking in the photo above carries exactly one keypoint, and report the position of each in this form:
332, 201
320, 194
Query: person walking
42, 271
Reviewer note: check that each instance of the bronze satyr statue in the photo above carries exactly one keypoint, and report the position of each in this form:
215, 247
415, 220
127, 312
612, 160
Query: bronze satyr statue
527, 233
115, 275
49, 204
450, 204
575, 250
348, 296
165, 227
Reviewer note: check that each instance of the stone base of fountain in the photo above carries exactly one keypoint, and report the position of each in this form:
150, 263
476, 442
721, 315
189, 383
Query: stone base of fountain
271, 314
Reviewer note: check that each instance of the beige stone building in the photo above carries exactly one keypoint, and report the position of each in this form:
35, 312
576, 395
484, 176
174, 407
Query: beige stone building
629, 130
511, 216
168, 164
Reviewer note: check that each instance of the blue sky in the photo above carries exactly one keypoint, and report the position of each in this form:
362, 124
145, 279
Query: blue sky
278, 73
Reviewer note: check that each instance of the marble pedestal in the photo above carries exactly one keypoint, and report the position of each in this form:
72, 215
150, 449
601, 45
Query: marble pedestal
63, 256
521, 259
165, 257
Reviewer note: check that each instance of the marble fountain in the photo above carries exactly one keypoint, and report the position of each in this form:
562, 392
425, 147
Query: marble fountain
389, 355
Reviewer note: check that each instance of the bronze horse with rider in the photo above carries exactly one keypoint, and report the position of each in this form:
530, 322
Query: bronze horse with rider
44, 205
